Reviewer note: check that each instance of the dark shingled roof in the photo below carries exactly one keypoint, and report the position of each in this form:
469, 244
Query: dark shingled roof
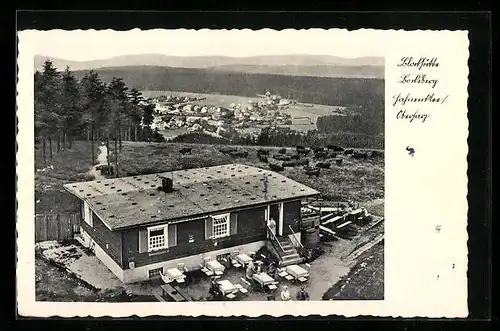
133, 201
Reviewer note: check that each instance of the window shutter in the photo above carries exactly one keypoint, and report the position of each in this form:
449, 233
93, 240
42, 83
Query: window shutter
172, 235
143, 241
208, 228
233, 224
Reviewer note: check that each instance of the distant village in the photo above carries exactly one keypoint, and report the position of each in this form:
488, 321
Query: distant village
174, 112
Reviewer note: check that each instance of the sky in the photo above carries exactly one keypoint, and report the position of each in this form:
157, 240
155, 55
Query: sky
80, 45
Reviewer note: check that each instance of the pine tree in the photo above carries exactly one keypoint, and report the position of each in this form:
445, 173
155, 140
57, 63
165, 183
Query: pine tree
93, 106
71, 103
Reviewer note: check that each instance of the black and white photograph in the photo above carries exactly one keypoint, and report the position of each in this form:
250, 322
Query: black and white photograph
196, 172
209, 177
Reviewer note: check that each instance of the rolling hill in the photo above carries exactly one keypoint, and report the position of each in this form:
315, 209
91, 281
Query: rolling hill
364, 71
301, 65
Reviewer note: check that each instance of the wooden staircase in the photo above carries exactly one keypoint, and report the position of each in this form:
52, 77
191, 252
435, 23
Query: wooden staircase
288, 255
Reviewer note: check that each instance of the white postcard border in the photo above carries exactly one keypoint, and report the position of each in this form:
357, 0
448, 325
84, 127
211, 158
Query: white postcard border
423, 191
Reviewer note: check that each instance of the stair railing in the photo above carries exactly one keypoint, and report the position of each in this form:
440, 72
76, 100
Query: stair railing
274, 238
295, 238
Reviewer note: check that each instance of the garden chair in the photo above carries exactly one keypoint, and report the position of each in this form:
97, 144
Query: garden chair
204, 268
182, 268
243, 286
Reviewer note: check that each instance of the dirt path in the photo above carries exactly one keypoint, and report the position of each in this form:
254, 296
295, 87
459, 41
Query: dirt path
328, 269
102, 159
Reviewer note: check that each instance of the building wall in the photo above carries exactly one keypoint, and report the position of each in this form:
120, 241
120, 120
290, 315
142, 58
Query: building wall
191, 262
106, 259
193, 231
248, 230
109, 241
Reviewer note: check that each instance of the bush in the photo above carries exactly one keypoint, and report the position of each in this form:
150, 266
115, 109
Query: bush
200, 138
310, 254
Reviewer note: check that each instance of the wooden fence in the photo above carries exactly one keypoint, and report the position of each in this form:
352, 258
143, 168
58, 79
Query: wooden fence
56, 226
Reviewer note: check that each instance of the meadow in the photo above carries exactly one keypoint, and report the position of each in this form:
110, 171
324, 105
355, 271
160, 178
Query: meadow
359, 180
67, 166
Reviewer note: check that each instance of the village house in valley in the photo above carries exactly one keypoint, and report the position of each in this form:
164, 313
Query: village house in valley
142, 225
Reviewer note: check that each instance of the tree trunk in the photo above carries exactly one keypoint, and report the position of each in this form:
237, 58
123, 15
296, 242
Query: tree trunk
70, 142
88, 135
129, 131
58, 142
92, 144
44, 144
65, 141
50, 147
108, 158
116, 158
135, 132
120, 137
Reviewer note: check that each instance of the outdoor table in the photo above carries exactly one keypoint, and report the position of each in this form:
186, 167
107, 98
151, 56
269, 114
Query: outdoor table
226, 287
297, 271
243, 259
263, 279
215, 267
175, 274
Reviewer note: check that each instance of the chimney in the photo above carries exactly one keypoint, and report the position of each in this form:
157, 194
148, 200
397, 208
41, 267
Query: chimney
167, 185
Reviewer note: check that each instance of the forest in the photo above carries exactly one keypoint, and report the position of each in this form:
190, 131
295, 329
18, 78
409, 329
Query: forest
320, 90
68, 109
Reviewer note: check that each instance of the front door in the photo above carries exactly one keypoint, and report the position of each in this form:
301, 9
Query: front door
276, 212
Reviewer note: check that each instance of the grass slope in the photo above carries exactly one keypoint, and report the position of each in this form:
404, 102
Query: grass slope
359, 180
365, 281
68, 166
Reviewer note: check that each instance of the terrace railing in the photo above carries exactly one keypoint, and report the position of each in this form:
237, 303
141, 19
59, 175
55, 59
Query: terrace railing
295, 238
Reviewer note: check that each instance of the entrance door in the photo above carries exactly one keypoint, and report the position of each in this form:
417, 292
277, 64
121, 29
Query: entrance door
276, 213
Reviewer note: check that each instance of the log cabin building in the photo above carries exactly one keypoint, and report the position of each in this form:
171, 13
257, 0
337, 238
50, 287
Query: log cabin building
139, 226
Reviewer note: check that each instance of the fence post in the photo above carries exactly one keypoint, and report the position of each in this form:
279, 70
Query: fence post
46, 220
58, 226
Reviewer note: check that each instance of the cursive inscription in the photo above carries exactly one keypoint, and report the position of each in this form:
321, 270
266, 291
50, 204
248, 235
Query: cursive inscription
408, 98
413, 107
409, 61
418, 79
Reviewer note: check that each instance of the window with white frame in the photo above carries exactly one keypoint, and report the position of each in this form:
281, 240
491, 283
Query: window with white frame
220, 226
157, 237
87, 214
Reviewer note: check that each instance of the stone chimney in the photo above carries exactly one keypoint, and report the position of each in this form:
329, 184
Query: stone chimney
167, 185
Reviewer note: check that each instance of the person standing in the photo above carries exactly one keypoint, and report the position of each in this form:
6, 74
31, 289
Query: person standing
302, 294
250, 270
272, 270
285, 294
272, 225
